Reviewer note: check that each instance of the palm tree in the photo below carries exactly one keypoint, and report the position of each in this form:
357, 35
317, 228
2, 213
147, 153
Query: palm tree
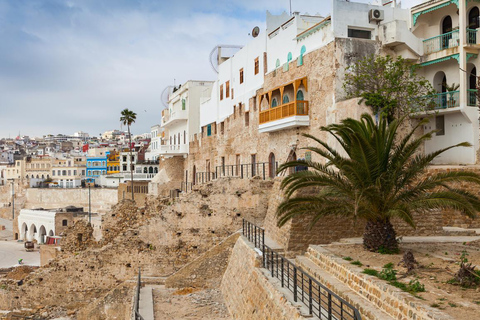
128, 117
378, 177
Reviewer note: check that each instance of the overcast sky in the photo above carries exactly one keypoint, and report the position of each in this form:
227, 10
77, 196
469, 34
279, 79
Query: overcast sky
71, 65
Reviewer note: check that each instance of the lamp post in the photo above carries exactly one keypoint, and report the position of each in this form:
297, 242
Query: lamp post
13, 198
89, 206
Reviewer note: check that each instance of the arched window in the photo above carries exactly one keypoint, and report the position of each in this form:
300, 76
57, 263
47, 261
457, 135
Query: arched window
155, 170
289, 57
300, 58
277, 64
285, 99
272, 169
473, 17
300, 96
274, 102
150, 170
145, 170
446, 28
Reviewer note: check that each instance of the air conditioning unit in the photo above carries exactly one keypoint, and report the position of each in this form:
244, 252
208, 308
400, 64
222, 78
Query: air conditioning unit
375, 15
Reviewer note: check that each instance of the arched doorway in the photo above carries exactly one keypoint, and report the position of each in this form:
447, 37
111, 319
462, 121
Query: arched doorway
194, 180
439, 84
472, 86
23, 231
272, 170
41, 234
292, 157
50, 233
150, 169
446, 28
473, 18
32, 232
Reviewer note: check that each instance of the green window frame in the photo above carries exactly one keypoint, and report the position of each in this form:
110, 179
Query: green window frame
209, 130
183, 104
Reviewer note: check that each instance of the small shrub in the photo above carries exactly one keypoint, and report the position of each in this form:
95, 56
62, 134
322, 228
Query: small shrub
388, 274
371, 272
435, 305
388, 265
451, 304
416, 286
357, 263
399, 285
347, 258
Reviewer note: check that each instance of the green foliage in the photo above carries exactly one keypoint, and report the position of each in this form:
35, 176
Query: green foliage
453, 305
377, 176
435, 305
399, 285
388, 265
383, 250
415, 286
388, 274
347, 258
371, 272
357, 263
463, 256
389, 86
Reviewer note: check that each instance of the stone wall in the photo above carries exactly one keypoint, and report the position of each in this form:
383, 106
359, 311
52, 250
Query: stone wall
48, 253
101, 199
398, 304
247, 291
170, 176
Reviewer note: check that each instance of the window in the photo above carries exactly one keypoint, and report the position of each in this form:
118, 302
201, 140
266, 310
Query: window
209, 130
227, 89
124, 167
362, 34
300, 96
247, 119
300, 58
64, 223
241, 76
53, 173
277, 64
124, 158
440, 125
285, 99
274, 102
257, 66
221, 92
232, 93
222, 127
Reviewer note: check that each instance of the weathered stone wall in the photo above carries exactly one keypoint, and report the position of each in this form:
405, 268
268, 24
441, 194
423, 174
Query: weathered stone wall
398, 304
101, 199
170, 176
247, 291
48, 253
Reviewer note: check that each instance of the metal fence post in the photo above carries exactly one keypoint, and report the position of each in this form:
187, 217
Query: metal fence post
241, 170
282, 270
264, 171
271, 260
294, 283
243, 226
310, 304
329, 306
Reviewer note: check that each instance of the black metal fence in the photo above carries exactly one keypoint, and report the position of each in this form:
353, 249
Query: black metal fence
136, 300
249, 170
204, 177
320, 301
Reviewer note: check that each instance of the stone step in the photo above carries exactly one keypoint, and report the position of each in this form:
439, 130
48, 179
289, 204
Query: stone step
146, 303
365, 307
457, 231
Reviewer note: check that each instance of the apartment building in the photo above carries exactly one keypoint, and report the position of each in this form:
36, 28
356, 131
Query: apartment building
69, 172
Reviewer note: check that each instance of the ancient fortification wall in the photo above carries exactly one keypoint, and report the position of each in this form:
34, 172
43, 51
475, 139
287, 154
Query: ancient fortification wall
247, 291
101, 199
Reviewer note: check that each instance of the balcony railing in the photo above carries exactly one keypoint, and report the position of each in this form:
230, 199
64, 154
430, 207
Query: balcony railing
444, 100
296, 108
471, 36
472, 97
441, 42
174, 148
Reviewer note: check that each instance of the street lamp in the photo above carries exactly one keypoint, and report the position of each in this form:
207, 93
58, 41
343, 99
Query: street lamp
13, 198
89, 206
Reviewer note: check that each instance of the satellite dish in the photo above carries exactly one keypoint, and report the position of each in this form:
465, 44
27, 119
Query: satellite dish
216, 54
165, 96
255, 32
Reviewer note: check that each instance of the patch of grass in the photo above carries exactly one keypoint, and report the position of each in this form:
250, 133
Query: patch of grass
442, 299
357, 263
435, 305
347, 258
399, 285
371, 272
383, 250
388, 265
451, 304
415, 286
388, 274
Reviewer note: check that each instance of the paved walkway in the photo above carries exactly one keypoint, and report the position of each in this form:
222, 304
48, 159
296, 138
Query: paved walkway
11, 251
433, 239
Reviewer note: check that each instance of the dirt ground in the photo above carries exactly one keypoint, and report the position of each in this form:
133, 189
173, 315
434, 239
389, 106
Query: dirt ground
437, 264
189, 303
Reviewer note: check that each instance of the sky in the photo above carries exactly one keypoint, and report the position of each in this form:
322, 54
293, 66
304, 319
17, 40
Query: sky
74, 65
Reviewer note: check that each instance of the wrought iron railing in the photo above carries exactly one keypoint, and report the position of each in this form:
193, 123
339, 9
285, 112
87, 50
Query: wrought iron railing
249, 170
471, 36
441, 42
472, 97
320, 301
204, 177
444, 100
136, 300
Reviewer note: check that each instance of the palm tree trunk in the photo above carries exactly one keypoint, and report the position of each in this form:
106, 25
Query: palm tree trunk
380, 236
131, 161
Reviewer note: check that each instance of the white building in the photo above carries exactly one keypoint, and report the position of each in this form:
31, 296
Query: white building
153, 152
182, 118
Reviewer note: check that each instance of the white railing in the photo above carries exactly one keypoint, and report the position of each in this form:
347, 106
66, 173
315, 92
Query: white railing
173, 148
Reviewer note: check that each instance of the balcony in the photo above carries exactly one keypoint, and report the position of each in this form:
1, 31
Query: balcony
288, 115
169, 118
178, 149
443, 100
444, 41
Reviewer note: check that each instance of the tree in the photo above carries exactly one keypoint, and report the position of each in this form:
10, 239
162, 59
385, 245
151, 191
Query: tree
379, 178
128, 117
389, 86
